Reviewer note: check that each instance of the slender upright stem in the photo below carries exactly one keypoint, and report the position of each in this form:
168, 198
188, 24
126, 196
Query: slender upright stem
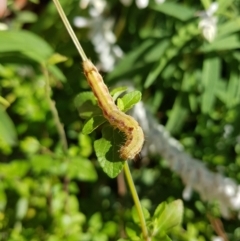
136, 201
60, 129
70, 30
54, 111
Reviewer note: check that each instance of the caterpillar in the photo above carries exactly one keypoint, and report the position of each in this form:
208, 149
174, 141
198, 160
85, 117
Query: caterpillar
125, 123
118, 119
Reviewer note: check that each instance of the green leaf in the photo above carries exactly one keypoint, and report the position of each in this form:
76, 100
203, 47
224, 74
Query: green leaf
233, 89
116, 92
3, 197
130, 99
149, 51
157, 50
167, 216
95, 222
121, 239
4, 102
92, 124
120, 104
206, 4
188, 84
155, 71
56, 58
228, 28
30, 145
21, 208
27, 46
178, 114
193, 102
85, 145
110, 228
210, 77
14, 169
86, 104
160, 208
106, 150
178, 11
232, 41
26, 43
161, 64
128, 63
7, 128
56, 72
26, 17
135, 215
178, 41
133, 231
81, 169
223, 5
162, 238
43, 163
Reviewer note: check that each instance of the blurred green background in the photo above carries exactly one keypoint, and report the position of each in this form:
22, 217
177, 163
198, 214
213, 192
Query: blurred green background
189, 77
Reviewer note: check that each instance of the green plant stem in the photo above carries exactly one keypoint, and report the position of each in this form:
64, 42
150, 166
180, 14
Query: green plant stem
70, 30
59, 126
54, 111
136, 201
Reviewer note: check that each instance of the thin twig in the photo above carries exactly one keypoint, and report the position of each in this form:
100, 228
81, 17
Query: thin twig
70, 30
136, 201
218, 227
59, 126
52, 105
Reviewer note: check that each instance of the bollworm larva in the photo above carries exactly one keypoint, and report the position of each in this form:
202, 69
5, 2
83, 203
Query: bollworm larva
118, 119
125, 123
